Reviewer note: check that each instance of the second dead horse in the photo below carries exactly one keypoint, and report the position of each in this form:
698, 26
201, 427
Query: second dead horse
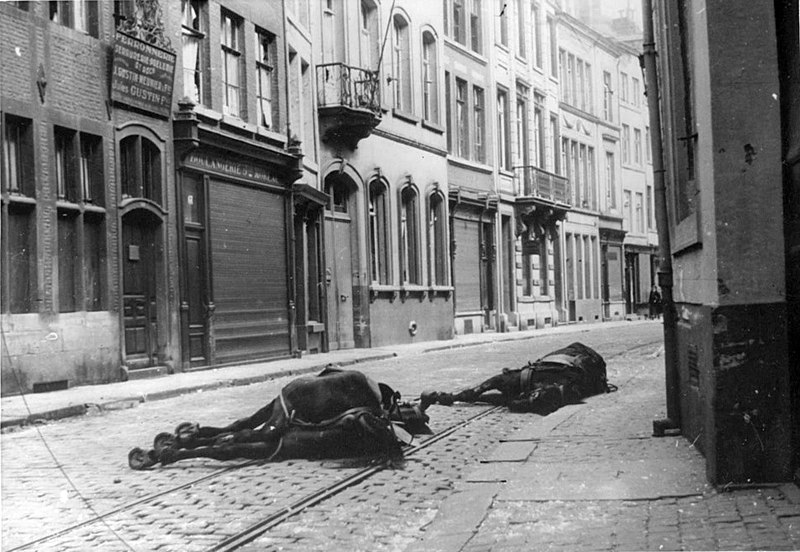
565, 376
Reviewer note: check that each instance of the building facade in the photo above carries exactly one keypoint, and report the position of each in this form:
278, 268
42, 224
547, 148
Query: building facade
382, 163
253, 181
730, 160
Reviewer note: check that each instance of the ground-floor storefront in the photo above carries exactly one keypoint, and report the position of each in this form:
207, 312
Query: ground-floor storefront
235, 204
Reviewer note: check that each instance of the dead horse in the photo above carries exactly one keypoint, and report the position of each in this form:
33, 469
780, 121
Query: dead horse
335, 414
565, 376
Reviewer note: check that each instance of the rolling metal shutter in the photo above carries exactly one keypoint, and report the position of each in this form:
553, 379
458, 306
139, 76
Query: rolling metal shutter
248, 252
467, 266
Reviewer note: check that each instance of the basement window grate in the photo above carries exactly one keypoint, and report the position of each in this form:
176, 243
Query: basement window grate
693, 362
47, 386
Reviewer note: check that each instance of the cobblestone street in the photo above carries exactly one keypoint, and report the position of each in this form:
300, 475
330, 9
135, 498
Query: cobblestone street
503, 482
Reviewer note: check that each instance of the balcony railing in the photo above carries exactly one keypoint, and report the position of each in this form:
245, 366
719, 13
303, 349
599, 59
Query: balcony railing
340, 85
535, 182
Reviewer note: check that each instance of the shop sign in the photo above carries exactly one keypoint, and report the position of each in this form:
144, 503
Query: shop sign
229, 167
142, 75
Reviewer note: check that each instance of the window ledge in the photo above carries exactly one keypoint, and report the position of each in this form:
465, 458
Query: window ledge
19, 199
207, 113
67, 205
237, 123
91, 208
404, 116
433, 127
466, 50
474, 165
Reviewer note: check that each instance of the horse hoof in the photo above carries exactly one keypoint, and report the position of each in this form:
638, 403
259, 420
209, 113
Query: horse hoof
140, 459
163, 440
167, 456
186, 431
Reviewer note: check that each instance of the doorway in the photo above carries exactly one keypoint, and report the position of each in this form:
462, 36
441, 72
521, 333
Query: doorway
139, 296
340, 261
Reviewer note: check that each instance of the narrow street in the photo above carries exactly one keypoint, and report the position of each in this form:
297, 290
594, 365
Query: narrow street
198, 504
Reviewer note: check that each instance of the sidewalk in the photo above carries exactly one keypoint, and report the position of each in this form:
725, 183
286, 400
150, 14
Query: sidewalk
20, 410
592, 477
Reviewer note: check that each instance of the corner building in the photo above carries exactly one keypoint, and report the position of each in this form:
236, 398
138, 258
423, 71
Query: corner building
733, 203
89, 286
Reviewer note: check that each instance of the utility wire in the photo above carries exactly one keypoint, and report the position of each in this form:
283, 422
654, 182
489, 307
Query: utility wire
50, 451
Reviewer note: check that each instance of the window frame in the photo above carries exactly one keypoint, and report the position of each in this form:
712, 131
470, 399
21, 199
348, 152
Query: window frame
439, 275
479, 124
401, 64
192, 36
231, 73
410, 273
430, 78
266, 70
379, 234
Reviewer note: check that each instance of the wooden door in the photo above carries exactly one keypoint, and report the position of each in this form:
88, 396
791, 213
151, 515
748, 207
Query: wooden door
196, 296
139, 293
339, 281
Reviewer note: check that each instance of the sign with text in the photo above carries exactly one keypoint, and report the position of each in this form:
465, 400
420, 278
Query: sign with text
142, 75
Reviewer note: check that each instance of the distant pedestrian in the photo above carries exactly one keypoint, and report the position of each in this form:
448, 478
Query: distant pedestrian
655, 303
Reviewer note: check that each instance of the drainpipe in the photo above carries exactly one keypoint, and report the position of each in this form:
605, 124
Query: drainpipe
648, 61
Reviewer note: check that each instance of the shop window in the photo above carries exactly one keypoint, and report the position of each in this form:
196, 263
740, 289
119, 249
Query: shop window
401, 65
230, 43
140, 166
379, 233
266, 66
193, 46
530, 249
544, 270
430, 78
80, 15
18, 246
437, 224
409, 236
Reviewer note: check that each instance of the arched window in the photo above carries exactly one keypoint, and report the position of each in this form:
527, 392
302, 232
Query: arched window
401, 64
378, 233
437, 244
409, 236
430, 78
140, 168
